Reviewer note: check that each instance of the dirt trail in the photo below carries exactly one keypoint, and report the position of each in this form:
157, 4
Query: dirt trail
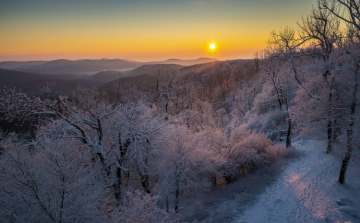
307, 191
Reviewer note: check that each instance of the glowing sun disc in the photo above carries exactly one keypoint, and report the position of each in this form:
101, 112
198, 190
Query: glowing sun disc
212, 46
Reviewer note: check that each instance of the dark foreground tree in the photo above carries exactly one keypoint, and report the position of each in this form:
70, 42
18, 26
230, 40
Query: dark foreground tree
349, 12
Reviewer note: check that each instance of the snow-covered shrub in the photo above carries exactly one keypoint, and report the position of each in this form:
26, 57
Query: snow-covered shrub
257, 141
266, 101
252, 152
140, 207
273, 124
278, 152
237, 152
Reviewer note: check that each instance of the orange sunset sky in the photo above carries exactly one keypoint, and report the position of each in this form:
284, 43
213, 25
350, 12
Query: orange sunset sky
143, 30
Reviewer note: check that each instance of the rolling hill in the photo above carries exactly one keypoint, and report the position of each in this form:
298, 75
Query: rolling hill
63, 66
145, 80
185, 62
10, 78
31, 83
153, 69
105, 76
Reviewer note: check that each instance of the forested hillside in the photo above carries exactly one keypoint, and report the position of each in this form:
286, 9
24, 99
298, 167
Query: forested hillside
138, 148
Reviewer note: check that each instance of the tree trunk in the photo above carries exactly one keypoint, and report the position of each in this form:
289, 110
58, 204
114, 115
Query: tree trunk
278, 96
177, 186
329, 137
213, 179
117, 185
349, 146
337, 129
177, 195
145, 183
143, 177
344, 165
330, 117
330, 123
288, 135
62, 195
349, 132
118, 180
167, 204
166, 106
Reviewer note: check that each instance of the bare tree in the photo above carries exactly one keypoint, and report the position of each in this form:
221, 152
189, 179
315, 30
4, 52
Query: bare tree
109, 131
44, 181
346, 10
183, 165
322, 29
349, 12
277, 73
352, 49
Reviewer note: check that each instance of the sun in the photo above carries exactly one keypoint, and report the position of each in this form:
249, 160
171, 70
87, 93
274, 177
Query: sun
212, 46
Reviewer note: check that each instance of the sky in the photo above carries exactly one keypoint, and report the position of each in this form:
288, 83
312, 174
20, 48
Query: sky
142, 30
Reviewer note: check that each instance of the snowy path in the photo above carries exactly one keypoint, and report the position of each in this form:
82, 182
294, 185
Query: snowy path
306, 191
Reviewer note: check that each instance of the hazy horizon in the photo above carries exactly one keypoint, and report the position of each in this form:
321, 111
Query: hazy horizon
125, 59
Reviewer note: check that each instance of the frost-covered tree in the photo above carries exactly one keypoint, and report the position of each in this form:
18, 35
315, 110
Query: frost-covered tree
112, 133
44, 180
348, 12
278, 74
322, 29
352, 49
183, 165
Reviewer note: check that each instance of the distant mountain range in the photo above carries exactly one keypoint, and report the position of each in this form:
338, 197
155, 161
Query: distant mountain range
87, 66
11, 78
153, 69
64, 76
185, 62
70, 66
32, 83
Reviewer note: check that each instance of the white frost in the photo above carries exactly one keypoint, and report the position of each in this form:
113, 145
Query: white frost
307, 191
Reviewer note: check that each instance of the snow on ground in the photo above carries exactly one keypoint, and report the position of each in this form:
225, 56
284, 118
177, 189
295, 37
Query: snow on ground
307, 191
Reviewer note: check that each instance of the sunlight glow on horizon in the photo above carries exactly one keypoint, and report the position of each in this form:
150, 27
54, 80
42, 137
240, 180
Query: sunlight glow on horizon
140, 30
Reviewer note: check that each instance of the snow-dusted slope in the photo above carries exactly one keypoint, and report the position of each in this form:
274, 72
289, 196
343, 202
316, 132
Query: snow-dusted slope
307, 191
